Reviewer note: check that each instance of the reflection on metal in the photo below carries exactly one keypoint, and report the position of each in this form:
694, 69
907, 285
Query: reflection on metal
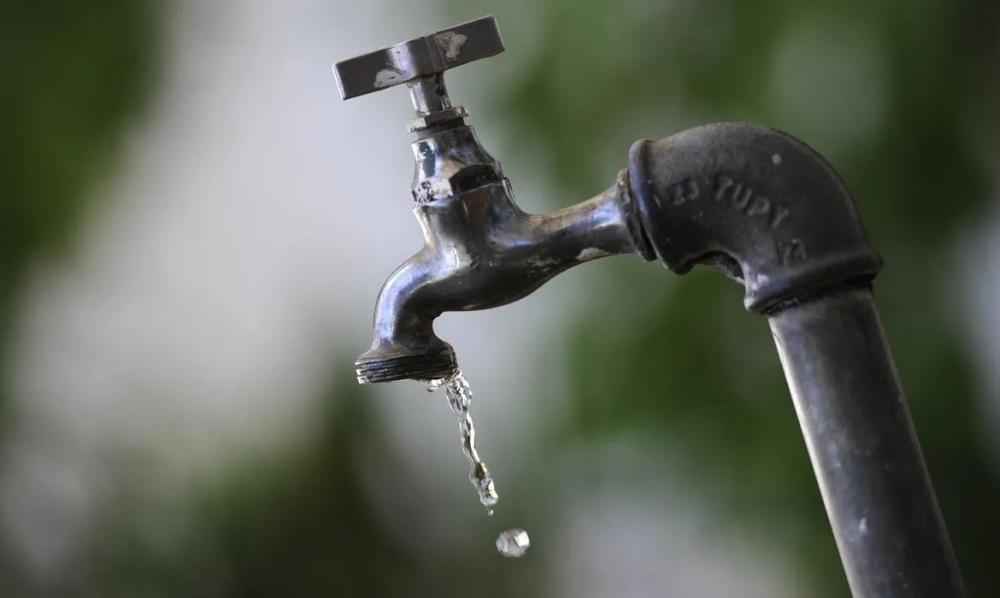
421, 57
755, 203
481, 251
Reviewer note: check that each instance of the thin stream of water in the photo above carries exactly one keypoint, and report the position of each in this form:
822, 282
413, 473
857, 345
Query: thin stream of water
460, 400
512, 542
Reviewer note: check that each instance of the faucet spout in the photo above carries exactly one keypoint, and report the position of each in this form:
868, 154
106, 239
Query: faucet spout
481, 251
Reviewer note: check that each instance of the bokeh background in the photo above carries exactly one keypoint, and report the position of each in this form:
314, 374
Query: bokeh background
194, 230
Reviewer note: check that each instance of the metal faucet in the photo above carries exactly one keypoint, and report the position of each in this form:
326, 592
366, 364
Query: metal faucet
755, 203
481, 250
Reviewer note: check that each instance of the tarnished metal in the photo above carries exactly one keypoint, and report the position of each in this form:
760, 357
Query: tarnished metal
755, 203
421, 57
863, 447
450, 162
481, 251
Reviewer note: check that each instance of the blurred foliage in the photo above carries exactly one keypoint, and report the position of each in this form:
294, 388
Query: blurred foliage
282, 527
902, 98
301, 525
75, 74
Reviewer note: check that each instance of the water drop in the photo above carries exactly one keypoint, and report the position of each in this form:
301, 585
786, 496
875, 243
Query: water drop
513, 543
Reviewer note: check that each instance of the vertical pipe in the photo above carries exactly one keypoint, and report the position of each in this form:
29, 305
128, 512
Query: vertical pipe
864, 449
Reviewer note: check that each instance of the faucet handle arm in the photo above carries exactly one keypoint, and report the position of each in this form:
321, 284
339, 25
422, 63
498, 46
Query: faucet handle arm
422, 57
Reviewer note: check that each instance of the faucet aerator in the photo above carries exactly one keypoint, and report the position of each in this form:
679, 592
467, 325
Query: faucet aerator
377, 366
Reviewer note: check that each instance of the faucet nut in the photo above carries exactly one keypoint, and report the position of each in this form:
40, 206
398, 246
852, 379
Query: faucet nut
433, 119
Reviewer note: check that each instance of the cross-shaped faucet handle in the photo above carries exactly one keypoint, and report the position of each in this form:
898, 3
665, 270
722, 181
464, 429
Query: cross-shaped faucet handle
420, 63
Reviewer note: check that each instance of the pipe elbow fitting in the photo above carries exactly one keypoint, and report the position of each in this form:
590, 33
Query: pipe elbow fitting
757, 203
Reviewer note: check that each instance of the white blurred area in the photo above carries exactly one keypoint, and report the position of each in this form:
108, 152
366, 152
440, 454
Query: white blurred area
238, 253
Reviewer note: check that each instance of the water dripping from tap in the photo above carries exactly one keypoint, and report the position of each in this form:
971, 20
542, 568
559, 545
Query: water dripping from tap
460, 400
512, 542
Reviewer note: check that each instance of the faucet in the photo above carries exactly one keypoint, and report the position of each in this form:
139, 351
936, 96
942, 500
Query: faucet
480, 249
757, 204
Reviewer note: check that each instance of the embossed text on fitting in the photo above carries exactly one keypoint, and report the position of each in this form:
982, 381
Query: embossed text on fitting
724, 189
746, 200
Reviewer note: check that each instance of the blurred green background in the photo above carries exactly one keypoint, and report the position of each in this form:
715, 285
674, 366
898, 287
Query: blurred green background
653, 384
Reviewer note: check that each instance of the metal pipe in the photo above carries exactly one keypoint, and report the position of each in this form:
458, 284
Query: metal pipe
864, 449
774, 215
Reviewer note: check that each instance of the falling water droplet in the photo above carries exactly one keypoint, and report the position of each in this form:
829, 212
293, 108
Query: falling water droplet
513, 543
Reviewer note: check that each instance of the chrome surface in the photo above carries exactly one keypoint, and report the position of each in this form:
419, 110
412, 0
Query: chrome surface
449, 163
481, 251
